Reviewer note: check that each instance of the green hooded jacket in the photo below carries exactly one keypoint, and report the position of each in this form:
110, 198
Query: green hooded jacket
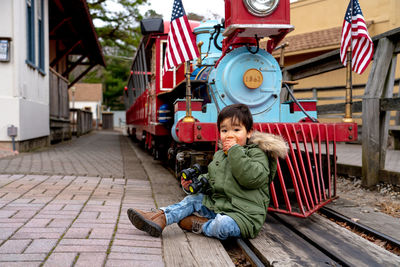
240, 179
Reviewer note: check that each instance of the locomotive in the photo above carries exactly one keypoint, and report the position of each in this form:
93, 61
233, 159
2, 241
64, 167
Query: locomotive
180, 128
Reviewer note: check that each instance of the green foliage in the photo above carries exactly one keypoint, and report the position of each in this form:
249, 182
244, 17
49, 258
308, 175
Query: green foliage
194, 16
117, 24
118, 29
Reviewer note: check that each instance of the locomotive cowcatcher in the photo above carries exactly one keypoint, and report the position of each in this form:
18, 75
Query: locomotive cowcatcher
233, 68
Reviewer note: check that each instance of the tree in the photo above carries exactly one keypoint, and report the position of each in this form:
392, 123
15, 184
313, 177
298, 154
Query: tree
117, 27
117, 24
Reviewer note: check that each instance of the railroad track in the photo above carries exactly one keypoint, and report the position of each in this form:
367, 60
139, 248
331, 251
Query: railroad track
317, 241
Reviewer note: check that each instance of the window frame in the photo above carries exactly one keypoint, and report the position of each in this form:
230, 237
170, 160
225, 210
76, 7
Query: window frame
41, 38
30, 33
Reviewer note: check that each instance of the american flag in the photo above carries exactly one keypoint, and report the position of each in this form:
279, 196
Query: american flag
355, 31
181, 43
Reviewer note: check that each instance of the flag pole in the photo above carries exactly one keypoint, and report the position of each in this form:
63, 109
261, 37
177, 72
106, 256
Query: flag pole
188, 117
349, 80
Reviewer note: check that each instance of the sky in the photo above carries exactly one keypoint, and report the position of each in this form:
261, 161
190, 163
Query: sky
210, 9
206, 8
201, 7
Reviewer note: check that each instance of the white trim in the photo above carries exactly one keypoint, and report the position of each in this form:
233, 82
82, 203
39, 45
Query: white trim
269, 29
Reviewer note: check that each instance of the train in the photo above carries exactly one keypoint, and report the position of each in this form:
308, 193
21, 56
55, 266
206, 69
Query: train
173, 113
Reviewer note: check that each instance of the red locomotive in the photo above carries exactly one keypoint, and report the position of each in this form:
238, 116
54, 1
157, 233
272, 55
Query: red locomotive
233, 69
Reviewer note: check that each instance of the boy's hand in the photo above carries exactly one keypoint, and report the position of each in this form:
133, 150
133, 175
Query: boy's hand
228, 143
185, 184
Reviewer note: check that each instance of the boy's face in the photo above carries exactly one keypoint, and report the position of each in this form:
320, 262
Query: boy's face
233, 132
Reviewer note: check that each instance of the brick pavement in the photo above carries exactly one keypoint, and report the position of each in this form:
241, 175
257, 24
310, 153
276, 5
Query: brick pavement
66, 206
98, 154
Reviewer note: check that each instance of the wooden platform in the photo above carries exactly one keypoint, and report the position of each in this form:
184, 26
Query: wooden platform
316, 241
349, 162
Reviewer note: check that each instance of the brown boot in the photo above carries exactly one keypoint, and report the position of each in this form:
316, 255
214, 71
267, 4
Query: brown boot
152, 222
193, 223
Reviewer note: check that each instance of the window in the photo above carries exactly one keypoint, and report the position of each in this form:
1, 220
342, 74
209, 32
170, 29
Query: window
41, 36
30, 26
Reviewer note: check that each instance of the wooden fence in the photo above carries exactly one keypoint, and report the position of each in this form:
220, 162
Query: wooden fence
59, 107
81, 121
376, 103
337, 110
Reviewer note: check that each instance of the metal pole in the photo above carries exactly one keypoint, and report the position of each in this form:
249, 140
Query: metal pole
349, 82
188, 117
13, 142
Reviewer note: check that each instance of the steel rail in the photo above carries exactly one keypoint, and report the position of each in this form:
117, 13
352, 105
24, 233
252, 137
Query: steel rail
340, 261
333, 214
252, 257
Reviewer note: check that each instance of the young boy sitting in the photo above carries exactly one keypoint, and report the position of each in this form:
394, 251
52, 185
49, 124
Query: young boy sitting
239, 175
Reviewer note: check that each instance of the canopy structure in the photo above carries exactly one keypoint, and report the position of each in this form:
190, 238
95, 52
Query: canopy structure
73, 39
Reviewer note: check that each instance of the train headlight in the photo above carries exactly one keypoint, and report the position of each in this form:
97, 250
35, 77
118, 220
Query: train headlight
261, 8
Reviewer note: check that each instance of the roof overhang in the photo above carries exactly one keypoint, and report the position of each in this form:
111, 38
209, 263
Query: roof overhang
70, 22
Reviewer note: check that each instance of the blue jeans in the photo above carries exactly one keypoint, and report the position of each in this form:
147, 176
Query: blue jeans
219, 226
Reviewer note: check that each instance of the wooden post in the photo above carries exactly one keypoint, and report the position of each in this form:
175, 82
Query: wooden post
377, 86
385, 115
286, 76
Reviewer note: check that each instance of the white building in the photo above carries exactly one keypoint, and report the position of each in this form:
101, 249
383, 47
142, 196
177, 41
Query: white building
41, 42
87, 96
24, 87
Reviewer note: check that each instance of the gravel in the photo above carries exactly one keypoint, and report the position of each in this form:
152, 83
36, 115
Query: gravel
383, 197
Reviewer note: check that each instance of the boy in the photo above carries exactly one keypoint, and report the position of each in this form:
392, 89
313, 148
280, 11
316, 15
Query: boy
237, 199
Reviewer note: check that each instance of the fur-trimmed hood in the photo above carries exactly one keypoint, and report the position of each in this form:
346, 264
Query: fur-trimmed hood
274, 145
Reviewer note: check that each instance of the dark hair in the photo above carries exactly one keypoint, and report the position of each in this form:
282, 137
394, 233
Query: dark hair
238, 112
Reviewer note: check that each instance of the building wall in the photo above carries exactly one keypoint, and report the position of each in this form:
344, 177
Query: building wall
95, 107
24, 91
330, 13
119, 118
325, 14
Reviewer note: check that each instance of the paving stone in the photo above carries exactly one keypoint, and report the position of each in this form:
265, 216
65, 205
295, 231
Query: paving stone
6, 213
12, 257
85, 242
14, 246
135, 257
70, 207
138, 243
46, 235
19, 264
41, 246
90, 259
38, 223
24, 214
6, 232
60, 259
78, 233
102, 233
57, 223
136, 250
83, 248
